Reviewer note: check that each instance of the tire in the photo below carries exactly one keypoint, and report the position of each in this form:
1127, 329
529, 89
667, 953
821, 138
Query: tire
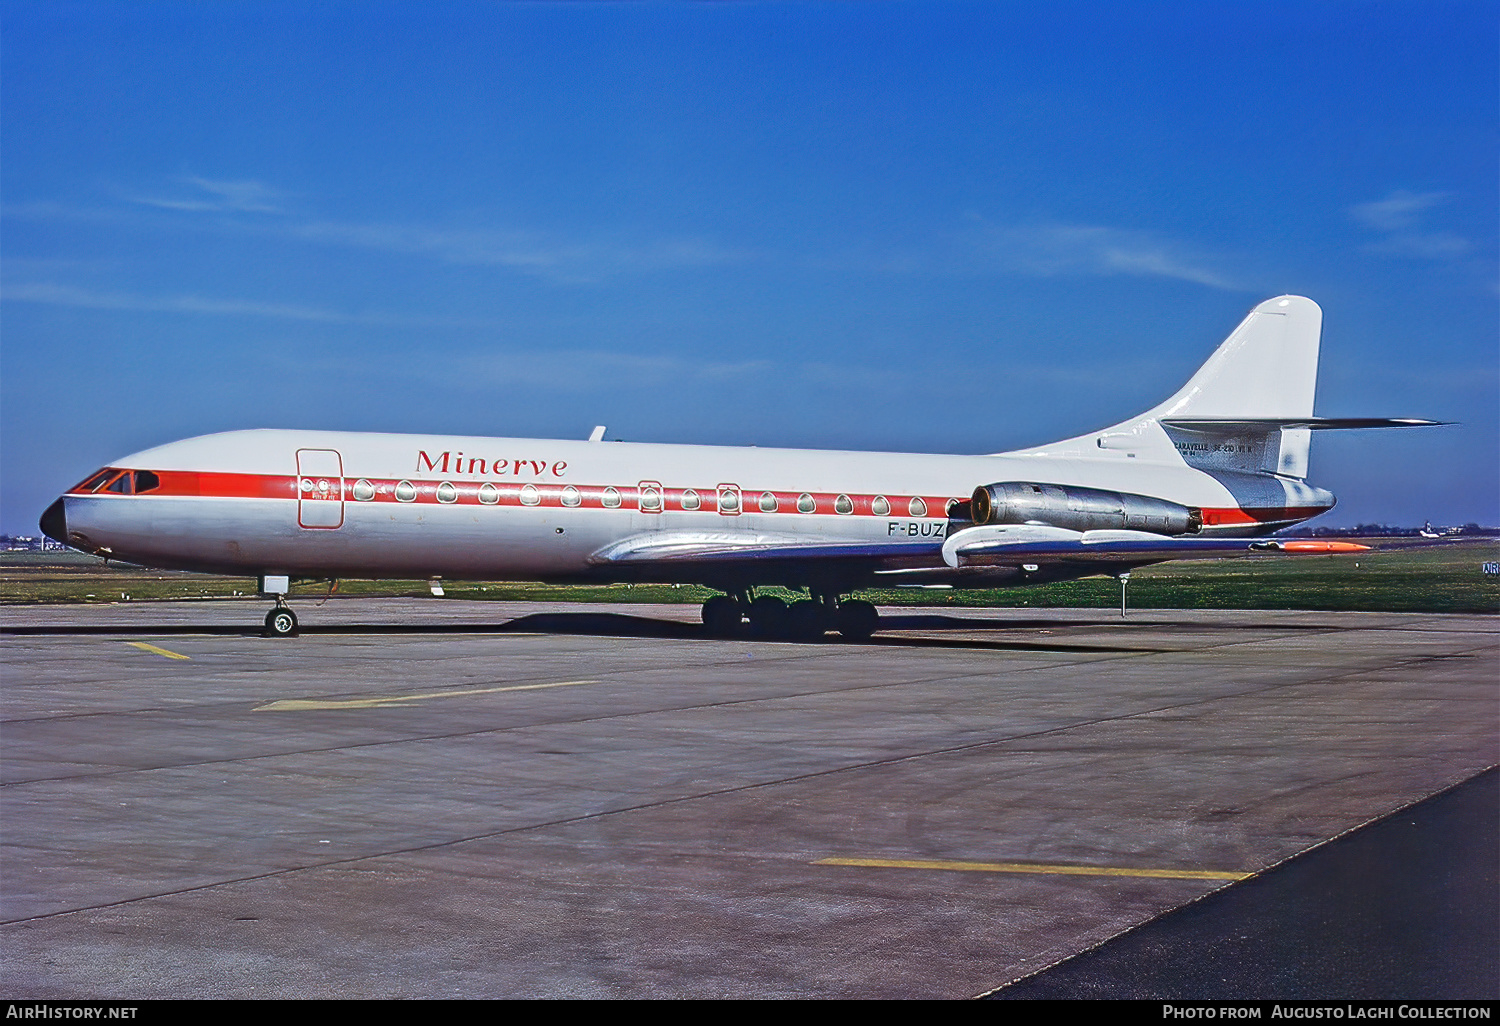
281, 623
722, 616
768, 617
858, 619
805, 620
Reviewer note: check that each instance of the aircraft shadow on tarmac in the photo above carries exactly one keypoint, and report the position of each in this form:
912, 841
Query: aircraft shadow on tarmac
893, 630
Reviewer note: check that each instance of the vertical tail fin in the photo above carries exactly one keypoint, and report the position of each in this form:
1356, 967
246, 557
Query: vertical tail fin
1265, 371
1246, 414
1267, 368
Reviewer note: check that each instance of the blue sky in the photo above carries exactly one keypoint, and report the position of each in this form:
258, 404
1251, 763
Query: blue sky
914, 226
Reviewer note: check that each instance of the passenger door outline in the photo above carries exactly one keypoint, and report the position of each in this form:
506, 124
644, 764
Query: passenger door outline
320, 489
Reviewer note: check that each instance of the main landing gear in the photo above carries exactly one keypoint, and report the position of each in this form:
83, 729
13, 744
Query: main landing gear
724, 616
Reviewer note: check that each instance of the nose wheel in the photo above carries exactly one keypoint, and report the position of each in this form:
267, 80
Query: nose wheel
281, 622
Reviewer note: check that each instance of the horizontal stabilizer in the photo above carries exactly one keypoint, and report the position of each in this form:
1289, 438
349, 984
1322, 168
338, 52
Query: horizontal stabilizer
1253, 425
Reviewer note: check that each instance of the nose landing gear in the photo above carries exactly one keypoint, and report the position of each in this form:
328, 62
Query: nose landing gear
281, 622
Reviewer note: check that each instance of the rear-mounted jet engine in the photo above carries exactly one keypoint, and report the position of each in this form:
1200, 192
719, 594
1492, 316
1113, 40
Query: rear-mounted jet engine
1080, 509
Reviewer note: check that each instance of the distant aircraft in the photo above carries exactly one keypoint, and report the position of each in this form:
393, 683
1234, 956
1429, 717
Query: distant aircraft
1204, 474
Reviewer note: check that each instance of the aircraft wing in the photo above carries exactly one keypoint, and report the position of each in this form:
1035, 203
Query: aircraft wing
1009, 545
1003, 545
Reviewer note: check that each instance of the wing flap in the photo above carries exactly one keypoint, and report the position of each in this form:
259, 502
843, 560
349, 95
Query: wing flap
727, 547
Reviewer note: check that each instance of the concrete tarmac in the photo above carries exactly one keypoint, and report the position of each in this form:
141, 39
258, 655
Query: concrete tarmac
435, 798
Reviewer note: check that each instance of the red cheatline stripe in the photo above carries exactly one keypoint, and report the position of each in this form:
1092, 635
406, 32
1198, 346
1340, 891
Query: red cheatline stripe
272, 486
1232, 516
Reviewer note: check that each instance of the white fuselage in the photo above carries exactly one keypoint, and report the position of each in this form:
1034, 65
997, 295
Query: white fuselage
345, 504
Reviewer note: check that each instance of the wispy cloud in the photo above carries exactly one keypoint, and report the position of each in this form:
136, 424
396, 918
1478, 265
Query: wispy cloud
557, 370
1044, 248
526, 251
542, 254
507, 364
588, 370
1399, 211
207, 195
1399, 217
66, 295
1049, 249
529, 251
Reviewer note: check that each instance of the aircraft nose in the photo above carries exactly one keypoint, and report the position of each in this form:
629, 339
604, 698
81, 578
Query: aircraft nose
54, 523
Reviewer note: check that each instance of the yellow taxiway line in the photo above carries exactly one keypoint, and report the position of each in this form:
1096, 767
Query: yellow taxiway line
1036, 867
157, 651
380, 701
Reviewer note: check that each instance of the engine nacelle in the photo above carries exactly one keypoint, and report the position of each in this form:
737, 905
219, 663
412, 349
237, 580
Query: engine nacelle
1080, 509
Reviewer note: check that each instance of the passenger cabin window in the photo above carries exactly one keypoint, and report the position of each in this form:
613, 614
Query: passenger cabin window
805, 503
881, 506
917, 507
843, 504
767, 502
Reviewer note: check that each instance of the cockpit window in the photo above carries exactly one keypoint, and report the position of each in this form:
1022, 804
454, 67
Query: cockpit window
93, 484
120, 482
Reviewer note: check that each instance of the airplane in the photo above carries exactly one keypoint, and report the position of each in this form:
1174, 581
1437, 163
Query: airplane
1208, 473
